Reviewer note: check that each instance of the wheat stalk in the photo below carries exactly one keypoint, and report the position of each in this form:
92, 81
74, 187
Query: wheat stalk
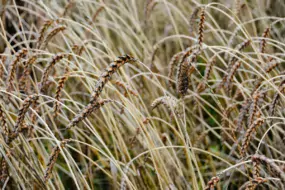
55, 59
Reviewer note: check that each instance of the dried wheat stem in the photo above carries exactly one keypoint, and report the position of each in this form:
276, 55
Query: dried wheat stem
13, 67
50, 35
52, 159
252, 129
47, 70
212, 183
269, 163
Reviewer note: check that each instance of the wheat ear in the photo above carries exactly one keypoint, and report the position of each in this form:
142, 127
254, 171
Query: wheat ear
13, 67
91, 107
148, 8
23, 110
193, 18
42, 32
4, 125
202, 85
272, 64
212, 183
253, 108
256, 168
127, 88
21, 116
59, 88
103, 80
232, 63
47, 70
276, 98
248, 135
23, 80
242, 113
270, 164
50, 35
2, 66
169, 102
98, 11
185, 69
4, 170
63, 79
252, 185
262, 44
67, 8
231, 74
52, 159
201, 28
173, 62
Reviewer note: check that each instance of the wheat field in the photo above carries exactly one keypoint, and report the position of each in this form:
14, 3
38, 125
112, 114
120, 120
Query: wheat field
142, 94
